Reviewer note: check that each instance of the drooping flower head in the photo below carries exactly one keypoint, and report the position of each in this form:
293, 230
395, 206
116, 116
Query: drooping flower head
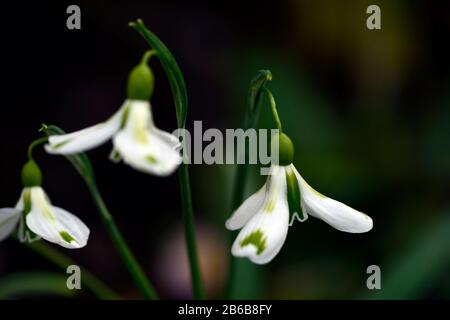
264, 217
38, 218
136, 139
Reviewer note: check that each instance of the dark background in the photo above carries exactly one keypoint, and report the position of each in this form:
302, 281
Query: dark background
368, 111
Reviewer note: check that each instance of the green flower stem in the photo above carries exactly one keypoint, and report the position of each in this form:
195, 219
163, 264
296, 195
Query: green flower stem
83, 166
128, 258
189, 231
243, 275
33, 145
179, 92
100, 289
147, 55
273, 106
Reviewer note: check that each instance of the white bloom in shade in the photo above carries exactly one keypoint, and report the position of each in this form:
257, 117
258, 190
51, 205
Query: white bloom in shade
135, 138
264, 216
38, 218
264, 219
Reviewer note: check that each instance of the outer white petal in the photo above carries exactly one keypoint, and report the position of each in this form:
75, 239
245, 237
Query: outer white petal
55, 224
247, 209
9, 217
144, 147
269, 226
87, 138
335, 213
168, 138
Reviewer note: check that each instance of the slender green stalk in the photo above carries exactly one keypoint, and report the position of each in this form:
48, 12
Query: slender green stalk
189, 231
33, 145
99, 288
128, 258
273, 106
84, 168
147, 55
179, 93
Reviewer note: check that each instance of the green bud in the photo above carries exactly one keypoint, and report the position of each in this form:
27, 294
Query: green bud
286, 149
31, 174
141, 81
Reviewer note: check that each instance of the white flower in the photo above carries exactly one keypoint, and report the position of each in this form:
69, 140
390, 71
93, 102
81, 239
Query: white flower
264, 216
135, 138
264, 219
36, 214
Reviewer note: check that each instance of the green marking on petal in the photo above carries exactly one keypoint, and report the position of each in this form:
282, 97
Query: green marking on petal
151, 159
43, 205
48, 213
67, 237
255, 238
125, 114
270, 205
317, 193
26, 201
61, 144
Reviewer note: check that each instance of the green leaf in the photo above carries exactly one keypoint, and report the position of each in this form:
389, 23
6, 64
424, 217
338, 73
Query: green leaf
171, 68
254, 97
34, 283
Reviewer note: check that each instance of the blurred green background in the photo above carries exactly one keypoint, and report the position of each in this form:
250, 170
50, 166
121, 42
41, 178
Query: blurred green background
368, 112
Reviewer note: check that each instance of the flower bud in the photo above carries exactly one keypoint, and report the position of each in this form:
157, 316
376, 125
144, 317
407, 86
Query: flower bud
140, 82
285, 147
31, 174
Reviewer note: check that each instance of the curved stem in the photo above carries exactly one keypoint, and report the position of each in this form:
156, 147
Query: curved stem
83, 166
98, 287
273, 106
125, 253
147, 55
33, 145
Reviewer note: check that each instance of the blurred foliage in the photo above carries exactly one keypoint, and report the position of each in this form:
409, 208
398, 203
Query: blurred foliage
420, 267
32, 284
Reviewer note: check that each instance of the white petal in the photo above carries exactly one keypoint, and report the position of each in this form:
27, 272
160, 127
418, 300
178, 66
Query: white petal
9, 217
265, 233
55, 224
247, 209
335, 213
168, 138
87, 138
144, 147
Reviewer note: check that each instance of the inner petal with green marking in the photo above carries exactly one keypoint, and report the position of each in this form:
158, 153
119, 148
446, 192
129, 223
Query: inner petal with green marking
67, 237
257, 239
152, 159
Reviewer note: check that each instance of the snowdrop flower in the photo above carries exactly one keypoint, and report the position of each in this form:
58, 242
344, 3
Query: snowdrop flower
264, 217
38, 218
135, 137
